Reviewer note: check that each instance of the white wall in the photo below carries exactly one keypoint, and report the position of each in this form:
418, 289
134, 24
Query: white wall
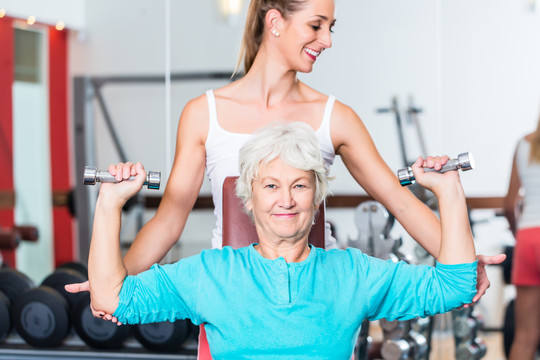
71, 12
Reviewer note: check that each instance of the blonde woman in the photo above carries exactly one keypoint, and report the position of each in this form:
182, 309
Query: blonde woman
523, 214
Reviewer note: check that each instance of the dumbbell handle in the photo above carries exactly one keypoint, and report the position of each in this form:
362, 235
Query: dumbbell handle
93, 175
464, 162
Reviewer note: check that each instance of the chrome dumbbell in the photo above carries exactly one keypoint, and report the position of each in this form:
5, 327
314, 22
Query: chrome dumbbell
395, 349
464, 162
93, 175
471, 351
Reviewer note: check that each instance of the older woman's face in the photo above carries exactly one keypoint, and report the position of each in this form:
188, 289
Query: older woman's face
282, 202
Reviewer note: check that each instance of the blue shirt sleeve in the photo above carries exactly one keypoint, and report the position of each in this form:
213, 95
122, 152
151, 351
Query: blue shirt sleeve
167, 292
402, 291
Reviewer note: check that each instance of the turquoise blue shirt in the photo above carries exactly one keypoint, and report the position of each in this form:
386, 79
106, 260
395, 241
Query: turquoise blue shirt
254, 307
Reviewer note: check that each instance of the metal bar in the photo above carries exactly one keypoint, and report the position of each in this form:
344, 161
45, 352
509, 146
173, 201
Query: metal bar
101, 80
401, 135
394, 109
84, 154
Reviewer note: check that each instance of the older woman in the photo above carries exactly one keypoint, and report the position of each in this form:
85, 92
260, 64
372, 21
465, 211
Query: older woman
280, 297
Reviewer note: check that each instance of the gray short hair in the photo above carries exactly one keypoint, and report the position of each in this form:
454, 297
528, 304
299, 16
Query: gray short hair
296, 145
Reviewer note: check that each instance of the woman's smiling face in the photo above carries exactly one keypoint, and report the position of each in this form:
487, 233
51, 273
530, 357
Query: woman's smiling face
282, 202
305, 34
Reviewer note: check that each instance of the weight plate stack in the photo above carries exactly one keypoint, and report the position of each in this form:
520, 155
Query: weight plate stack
60, 278
163, 336
13, 283
5, 316
41, 317
95, 332
77, 266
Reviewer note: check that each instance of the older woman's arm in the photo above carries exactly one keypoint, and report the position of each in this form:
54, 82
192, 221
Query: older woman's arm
402, 291
106, 269
457, 245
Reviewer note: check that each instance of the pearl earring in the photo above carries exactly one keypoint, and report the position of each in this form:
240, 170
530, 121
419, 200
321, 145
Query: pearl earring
274, 31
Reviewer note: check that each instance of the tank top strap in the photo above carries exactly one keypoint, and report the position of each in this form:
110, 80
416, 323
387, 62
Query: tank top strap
211, 107
328, 110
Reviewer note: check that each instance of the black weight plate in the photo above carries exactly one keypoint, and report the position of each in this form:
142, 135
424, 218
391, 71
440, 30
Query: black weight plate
194, 331
5, 316
95, 332
41, 317
77, 266
508, 327
13, 283
163, 336
60, 278
507, 264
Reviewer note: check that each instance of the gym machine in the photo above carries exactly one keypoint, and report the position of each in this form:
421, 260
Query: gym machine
401, 339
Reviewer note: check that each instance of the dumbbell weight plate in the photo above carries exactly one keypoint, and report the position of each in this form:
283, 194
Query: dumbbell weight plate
13, 283
508, 327
60, 278
5, 317
163, 336
95, 332
395, 349
41, 317
77, 266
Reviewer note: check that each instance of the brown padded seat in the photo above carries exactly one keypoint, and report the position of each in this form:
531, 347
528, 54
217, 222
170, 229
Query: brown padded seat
239, 230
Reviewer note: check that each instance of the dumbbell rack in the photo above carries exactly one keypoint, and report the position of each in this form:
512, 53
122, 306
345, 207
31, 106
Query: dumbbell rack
74, 348
404, 339
401, 339
467, 343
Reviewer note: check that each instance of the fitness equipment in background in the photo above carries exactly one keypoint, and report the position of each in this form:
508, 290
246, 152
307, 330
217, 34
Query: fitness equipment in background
464, 161
11, 237
466, 325
93, 175
165, 336
12, 284
374, 223
95, 332
401, 341
42, 315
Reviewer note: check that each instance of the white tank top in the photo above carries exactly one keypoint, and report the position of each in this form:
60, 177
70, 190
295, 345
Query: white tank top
222, 148
529, 174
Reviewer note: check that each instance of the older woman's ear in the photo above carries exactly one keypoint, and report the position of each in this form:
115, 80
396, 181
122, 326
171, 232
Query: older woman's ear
249, 206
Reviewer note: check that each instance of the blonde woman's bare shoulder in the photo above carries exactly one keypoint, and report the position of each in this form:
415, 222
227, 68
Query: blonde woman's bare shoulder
310, 94
195, 117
